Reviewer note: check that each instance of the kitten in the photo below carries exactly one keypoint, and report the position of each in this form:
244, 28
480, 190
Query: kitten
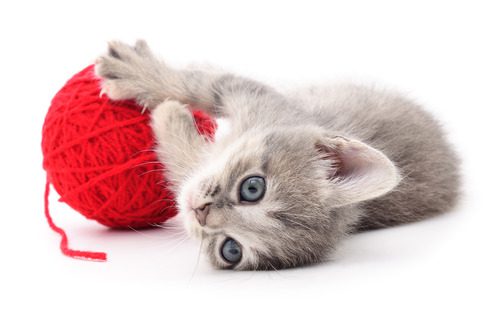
297, 172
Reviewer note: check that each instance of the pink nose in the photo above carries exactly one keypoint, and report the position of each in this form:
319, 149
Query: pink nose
202, 213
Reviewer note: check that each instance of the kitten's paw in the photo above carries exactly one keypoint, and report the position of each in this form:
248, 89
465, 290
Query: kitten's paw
171, 118
171, 114
129, 72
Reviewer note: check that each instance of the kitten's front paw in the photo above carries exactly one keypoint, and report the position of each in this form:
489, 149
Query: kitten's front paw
172, 115
129, 72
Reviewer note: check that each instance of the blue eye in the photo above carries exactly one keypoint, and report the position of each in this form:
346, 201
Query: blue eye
231, 251
252, 189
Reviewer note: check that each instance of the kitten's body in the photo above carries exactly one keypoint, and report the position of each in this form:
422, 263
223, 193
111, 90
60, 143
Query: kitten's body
334, 158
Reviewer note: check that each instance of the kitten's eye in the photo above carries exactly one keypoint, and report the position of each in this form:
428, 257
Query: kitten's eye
252, 189
231, 251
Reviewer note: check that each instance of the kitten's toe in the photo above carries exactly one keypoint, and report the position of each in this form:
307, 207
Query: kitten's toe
142, 48
121, 51
110, 68
118, 89
140, 52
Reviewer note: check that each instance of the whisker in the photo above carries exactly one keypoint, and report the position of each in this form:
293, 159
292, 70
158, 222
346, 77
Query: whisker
183, 240
197, 261
163, 238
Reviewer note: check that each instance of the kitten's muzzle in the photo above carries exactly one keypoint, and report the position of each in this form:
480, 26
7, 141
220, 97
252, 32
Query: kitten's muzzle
201, 213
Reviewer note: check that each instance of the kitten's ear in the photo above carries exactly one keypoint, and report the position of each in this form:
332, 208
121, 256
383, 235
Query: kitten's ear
358, 172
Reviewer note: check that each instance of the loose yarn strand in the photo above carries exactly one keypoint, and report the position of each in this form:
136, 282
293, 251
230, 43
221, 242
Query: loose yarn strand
76, 254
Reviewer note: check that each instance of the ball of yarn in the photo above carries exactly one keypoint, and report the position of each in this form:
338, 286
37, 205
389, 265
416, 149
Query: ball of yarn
99, 156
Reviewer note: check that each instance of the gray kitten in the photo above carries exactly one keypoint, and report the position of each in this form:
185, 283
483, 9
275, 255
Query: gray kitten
297, 172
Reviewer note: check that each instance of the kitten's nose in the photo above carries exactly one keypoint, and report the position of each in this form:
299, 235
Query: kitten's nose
202, 213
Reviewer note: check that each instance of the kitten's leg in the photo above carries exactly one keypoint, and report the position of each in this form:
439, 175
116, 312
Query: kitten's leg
179, 145
133, 72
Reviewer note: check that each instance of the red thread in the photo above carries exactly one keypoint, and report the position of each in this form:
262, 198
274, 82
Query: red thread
77, 254
98, 155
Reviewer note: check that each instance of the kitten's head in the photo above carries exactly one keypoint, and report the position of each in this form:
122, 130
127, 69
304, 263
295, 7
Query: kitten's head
282, 197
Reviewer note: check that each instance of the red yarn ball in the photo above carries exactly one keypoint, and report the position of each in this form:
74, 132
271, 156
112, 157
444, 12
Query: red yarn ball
99, 156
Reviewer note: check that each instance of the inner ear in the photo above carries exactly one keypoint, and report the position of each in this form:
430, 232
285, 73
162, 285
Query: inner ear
343, 159
358, 171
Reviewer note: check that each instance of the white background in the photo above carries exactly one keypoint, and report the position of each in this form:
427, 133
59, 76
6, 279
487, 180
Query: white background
443, 54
